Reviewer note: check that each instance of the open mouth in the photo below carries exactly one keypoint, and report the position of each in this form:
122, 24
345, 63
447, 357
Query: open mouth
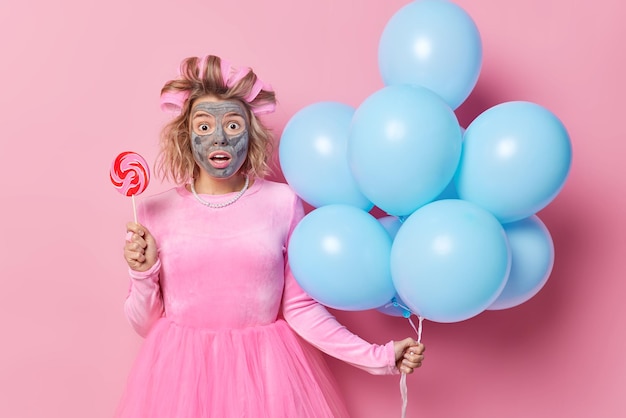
220, 159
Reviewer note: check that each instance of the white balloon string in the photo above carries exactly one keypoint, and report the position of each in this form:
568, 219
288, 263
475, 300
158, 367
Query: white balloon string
418, 331
403, 393
403, 387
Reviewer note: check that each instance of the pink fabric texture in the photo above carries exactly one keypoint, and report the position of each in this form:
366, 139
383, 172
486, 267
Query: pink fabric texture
219, 311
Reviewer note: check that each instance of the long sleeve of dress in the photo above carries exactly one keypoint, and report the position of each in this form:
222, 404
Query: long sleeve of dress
319, 327
144, 304
315, 324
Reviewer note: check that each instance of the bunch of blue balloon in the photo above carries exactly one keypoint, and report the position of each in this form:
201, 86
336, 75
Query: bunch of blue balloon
462, 235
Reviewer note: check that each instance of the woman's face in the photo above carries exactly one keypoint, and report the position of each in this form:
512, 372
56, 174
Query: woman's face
219, 135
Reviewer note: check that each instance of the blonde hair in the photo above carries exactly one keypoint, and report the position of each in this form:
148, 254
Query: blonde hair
175, 160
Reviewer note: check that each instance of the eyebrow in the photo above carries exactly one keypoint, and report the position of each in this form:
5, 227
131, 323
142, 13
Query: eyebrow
203, 113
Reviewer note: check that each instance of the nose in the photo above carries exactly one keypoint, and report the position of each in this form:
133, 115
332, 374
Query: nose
219, 138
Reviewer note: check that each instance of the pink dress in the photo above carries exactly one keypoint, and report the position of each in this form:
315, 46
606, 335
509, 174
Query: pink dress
219, 310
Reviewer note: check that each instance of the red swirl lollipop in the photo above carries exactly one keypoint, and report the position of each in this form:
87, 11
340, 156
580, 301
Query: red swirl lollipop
130, 175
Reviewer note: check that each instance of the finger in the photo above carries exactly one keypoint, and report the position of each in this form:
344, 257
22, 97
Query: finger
136, 228
134, 265
137, 244
134, 256
133, 236
412, 365
406, 369
417, 349
413, 359
413, 355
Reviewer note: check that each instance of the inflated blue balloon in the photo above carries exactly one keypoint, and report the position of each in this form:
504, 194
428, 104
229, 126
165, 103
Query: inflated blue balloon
396, 306
312, 154
339, 255
450, 260
404, 147
435, 44
515, 160
391, 224
532, 252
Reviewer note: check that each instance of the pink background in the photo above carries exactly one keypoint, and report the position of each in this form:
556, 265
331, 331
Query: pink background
80, 84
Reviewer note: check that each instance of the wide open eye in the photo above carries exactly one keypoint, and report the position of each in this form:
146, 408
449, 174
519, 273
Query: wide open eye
203, 127
234, 124
203, 123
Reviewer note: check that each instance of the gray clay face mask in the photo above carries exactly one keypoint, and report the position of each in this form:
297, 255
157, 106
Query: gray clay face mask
219, 137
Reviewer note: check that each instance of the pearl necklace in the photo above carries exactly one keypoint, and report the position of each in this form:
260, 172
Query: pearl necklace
223, 204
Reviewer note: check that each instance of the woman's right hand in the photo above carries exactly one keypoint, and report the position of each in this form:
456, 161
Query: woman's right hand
140, 250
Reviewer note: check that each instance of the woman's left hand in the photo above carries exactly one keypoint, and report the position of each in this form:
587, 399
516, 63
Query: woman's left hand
409, 355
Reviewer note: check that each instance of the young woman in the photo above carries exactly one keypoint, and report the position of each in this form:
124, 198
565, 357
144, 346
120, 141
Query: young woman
211, 288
